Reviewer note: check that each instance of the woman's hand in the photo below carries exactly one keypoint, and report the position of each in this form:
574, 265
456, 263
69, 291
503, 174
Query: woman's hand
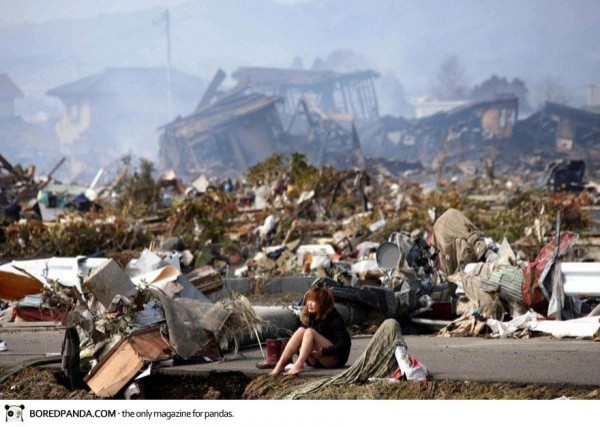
317, 353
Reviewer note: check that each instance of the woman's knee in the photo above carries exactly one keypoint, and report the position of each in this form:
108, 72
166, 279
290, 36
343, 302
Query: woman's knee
309, 334
300, 331
299, 334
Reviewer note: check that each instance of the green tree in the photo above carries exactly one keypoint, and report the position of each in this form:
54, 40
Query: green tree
139, 192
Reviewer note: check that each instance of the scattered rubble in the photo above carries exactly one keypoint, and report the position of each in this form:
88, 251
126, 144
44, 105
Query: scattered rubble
443, 233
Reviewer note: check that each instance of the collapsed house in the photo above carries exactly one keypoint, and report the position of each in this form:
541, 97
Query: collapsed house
326, 139
233, 133
233, 130
453, 137
322, 113
335, 93
472, 137
562, 132
117, 110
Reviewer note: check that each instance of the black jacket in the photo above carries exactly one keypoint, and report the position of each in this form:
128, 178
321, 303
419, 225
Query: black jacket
333, 328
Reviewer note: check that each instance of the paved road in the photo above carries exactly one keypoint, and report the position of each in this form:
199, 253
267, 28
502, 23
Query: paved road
541, 360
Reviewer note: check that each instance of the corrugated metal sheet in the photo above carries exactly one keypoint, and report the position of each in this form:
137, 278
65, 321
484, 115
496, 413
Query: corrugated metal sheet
508, 279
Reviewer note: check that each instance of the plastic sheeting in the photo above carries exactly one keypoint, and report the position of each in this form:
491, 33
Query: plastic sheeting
584, 327
189, 320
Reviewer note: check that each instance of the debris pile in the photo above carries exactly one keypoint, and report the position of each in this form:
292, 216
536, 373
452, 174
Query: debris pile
425, 232
289, 218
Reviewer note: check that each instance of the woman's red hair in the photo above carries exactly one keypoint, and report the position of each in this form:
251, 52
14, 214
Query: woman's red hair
323, 297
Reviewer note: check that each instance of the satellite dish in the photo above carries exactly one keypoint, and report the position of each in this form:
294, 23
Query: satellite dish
388, 254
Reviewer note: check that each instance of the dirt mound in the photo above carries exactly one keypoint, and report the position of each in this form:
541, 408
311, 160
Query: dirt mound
31, 383
215, 385
265, 387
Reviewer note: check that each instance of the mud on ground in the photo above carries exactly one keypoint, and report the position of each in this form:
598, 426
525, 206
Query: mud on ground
32, 383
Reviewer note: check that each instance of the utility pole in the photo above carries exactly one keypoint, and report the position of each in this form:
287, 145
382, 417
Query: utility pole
167, 20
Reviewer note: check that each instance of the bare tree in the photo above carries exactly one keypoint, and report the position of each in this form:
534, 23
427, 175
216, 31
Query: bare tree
551, 89
451, 81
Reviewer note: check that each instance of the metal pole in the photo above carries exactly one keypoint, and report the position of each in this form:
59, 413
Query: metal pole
169, 91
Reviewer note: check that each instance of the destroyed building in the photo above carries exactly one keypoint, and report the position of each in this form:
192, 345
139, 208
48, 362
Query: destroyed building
234, 129
333, 119
345, 93
457, 134
466, 139
107, 114
325, 139
486, 134
473, 137
233, 133
564, 131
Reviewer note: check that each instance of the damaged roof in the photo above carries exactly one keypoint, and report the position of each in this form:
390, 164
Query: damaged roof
465, 111
117, 80
556, 121
220, 113
575, 115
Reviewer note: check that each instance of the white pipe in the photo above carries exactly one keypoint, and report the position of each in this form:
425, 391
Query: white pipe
581, 278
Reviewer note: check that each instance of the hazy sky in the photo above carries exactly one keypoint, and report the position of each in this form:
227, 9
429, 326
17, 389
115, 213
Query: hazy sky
22, 11
48, 43
45, 40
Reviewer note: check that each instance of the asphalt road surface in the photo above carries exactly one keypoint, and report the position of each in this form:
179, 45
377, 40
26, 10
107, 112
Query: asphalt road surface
541, 360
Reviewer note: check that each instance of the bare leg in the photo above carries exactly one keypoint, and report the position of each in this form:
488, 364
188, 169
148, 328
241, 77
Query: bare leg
311, 341
291, 348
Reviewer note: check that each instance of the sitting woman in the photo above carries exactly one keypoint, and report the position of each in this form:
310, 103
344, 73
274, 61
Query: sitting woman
323, 341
